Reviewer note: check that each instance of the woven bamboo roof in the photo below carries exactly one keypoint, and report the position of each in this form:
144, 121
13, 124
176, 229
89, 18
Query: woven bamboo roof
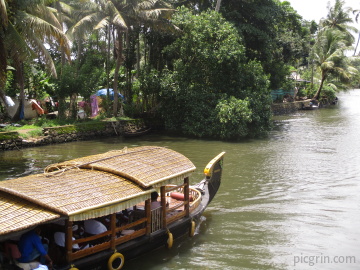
75, 191
147, 166
89, 187
19, 214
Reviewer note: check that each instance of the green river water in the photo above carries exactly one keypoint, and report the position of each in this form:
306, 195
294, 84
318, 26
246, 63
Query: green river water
290, 201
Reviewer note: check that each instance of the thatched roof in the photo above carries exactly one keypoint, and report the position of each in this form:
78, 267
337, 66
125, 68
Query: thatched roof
76, 191
19, 214
146, 166
90, 187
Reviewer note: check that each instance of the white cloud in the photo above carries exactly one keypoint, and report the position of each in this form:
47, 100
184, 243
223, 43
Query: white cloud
317, 9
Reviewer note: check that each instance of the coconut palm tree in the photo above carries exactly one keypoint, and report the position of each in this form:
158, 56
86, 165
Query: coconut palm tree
357, 14
338, 17
329, 57
25, 33
118, 17
3, 58
103, 15
65, 13
148, 15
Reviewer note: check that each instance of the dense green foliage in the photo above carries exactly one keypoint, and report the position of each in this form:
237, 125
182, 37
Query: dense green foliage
202, 68
272, 34
211, 76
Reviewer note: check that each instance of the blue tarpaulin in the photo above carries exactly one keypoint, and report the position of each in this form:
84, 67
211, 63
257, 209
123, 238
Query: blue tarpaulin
280, 93
103, 92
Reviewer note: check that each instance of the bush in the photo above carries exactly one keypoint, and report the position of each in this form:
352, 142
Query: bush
328, 94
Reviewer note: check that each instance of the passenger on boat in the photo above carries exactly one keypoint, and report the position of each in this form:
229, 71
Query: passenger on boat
93, 226
123, 216
154, 202
59, 238
31, 247
78, 230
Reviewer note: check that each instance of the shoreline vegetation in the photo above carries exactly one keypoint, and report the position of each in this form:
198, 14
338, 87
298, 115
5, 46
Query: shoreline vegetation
42, 131
190, 65
38, 132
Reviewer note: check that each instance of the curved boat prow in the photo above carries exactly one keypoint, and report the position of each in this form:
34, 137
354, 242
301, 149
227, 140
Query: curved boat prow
213, 173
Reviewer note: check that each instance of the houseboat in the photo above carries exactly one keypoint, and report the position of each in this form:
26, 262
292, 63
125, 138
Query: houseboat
140, 197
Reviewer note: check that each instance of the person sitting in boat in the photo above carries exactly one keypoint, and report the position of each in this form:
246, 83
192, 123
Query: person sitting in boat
78, 230
31, 248
154, 202
93, 227
59, 238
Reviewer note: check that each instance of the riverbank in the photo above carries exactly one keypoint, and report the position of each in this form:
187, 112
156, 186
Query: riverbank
289, 107
22, 138
15, 140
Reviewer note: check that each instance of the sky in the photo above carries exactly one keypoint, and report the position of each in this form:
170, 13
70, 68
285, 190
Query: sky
317, 9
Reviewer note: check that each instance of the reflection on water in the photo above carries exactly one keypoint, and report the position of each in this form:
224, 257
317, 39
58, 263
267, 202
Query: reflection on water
290, 201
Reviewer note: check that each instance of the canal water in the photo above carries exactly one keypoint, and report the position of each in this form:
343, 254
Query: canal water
290, 201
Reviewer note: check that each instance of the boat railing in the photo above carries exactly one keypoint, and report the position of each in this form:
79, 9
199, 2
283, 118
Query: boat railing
110, 238
139, 225
194, 194
156, 219
176, 211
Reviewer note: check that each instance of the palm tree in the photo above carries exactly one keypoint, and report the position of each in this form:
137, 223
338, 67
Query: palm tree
102, 15
3, 58
28, 29
357, 12
338, 18
65, 15
149, 15
118, 17
329, 57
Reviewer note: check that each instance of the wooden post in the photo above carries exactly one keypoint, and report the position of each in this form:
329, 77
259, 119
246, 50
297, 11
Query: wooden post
113, 230
148, 216
68, 240
163, 206
187, 196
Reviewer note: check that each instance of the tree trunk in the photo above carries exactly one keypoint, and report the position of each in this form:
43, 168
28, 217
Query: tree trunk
128, 72
62, 108
118, 48
138, 56
20, 79
108, 70
3, 65
357, 44
218, 4
318, 92
2, 97
73, 106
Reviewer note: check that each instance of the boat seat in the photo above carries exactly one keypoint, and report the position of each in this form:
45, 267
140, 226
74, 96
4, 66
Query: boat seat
12, 251
127, 232
29, 266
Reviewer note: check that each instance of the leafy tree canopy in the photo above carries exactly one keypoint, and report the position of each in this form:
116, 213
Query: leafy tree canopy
212, 90
272, 33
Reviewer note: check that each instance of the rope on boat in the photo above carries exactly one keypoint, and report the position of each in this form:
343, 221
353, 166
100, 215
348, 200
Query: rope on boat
77, 166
